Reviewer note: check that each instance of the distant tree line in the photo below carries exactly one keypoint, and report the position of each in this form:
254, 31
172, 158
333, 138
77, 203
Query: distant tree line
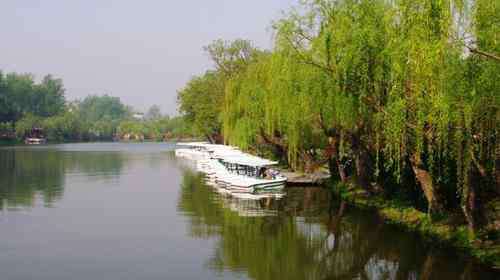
26, 104
406, 94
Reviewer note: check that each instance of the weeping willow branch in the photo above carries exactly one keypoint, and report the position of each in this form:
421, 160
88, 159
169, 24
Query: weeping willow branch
306, 60
484, 54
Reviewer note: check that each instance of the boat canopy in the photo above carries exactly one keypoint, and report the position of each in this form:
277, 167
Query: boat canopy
192, 144
231, 154
208, 146
248, 160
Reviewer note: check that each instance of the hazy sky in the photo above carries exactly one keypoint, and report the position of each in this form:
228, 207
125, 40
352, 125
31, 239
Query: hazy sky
141, 51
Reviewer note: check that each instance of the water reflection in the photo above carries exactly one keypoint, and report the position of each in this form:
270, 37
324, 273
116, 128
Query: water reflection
309, 235
126, 199
28, 174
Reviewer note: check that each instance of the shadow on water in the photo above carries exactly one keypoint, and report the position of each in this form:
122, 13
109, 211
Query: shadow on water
308, 234
26, 174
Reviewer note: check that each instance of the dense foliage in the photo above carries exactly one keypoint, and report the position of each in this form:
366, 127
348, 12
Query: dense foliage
19, 94
25, 104
201, 100
409, 91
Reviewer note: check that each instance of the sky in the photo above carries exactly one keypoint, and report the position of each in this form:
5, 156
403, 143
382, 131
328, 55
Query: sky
141, 51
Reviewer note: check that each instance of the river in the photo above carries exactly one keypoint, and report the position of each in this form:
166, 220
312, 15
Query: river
134, 211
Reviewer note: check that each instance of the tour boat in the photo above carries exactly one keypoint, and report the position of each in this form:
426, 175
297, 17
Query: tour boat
194, 153
231, 169
35, 137
249, 174
34, 141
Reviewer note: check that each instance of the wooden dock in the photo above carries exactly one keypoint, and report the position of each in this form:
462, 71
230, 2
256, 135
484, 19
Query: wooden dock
297, 178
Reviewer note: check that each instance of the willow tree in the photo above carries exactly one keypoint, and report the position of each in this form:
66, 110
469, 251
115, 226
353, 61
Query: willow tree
408, 89
442, 110
271, 103
202, 99
344, 43
478, 109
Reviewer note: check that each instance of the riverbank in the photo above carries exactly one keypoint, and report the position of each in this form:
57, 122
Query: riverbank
305, 179
9, 142
443, 232
4, 142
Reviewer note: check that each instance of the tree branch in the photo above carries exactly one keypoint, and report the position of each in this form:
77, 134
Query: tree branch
483, 53
306, 60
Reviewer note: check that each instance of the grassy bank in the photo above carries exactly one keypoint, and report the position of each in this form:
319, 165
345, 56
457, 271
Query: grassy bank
445, 232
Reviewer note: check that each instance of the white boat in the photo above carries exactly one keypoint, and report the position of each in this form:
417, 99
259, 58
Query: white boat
194, 153
232, 169
35, 141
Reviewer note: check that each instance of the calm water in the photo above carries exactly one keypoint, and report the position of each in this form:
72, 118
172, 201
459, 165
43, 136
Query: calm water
132, 211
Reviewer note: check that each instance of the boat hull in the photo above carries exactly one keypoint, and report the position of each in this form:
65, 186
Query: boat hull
218, 174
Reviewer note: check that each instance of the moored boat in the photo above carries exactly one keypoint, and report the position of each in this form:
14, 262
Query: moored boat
34, 141
35, 137
231, 169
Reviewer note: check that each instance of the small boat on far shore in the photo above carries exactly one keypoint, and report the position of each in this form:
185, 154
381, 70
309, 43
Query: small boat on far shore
35, 137
34, 141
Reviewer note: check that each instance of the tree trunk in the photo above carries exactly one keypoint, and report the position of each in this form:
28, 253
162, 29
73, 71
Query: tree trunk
469, 192
362, 162
497, 166
277, 143
210, 139
427, 267
469, 204
362, 169
337, 170
425, 180
341, 170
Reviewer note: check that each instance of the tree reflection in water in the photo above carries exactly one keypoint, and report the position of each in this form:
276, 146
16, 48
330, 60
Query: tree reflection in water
308, 235
26, 174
